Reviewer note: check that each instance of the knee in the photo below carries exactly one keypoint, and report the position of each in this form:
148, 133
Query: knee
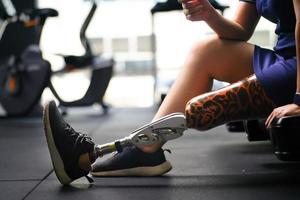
199, 115
207, 48
205, 51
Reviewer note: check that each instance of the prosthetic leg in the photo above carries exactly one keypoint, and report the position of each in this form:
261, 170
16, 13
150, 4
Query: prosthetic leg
243, 100
164, 129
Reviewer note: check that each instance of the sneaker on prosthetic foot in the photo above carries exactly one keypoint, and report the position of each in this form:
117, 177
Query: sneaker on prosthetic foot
132, 162
66, 146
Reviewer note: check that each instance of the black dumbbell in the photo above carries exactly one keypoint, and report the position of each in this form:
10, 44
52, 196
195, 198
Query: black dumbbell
256, 130
285, 137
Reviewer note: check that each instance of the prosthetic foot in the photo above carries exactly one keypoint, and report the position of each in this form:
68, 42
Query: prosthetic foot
130, 160
167, 128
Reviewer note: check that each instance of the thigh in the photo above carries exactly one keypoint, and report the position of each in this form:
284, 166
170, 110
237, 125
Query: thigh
210, 59
224, 60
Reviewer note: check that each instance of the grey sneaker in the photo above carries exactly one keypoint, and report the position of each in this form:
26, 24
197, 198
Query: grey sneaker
133, 162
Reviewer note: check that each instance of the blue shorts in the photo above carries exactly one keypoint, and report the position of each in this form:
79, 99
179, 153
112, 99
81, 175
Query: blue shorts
278, 75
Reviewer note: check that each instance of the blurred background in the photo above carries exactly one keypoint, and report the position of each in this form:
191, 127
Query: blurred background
123, 29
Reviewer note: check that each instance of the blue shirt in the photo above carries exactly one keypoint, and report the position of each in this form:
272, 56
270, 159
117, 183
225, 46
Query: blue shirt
280, 12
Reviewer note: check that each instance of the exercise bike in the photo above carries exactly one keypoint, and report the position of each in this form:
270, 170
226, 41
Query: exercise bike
23, 72
101, 71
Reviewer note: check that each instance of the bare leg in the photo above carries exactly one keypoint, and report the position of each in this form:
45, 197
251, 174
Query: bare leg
213, 58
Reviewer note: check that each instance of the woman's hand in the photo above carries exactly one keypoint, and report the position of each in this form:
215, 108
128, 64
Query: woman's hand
197, 10
287, 110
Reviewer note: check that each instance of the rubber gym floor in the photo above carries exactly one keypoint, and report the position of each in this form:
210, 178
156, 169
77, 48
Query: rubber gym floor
206, 165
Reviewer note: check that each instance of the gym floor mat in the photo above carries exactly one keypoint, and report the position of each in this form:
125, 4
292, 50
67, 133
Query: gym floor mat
206, 165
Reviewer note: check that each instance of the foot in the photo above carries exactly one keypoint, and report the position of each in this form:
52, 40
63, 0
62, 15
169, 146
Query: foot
133, 162
66, 146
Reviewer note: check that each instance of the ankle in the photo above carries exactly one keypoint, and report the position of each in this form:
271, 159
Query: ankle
152, 148
85, 162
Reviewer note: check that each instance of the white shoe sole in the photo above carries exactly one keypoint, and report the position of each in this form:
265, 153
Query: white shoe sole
57, 162
137, 171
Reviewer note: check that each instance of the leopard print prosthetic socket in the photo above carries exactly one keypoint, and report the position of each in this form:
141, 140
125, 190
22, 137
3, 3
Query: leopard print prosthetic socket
245, 99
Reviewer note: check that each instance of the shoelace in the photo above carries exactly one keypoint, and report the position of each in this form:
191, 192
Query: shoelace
79, 138
90, 180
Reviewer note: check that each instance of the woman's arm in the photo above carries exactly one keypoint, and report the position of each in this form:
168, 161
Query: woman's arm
297, 37
240, 28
